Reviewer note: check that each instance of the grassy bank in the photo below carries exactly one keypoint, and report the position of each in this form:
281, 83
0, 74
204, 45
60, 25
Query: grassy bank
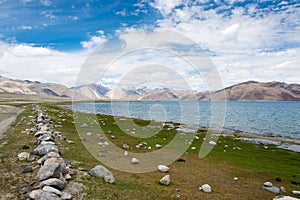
253, 164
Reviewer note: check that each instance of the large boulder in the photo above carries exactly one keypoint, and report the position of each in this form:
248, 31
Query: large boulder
101, 172
49, 170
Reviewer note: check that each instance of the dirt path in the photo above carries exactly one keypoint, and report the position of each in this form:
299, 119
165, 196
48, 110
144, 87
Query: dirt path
8, 115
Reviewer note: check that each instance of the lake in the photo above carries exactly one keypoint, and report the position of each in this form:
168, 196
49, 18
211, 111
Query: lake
269, 118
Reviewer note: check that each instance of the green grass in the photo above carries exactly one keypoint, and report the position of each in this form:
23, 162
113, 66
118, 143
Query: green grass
253, 164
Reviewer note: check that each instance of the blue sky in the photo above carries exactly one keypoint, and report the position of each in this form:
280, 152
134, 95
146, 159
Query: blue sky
49, 40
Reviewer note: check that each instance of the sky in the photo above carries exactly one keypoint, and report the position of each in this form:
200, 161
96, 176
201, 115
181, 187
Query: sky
51, 41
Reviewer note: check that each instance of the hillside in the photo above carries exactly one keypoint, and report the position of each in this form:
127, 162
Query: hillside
251, 90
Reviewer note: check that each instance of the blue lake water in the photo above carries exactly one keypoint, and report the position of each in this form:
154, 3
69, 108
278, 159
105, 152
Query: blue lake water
271, 118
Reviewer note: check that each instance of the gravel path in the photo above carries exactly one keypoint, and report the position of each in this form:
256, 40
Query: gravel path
8, 115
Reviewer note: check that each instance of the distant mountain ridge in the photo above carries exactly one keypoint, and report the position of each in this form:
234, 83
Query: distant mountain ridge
250, 90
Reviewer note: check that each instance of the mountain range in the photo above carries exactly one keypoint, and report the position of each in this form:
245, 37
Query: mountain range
251, 90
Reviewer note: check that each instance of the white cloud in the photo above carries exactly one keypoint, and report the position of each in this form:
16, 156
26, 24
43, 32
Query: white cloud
245, 44
166, 6
46, 2
26, 51
24, 27
94, 41
25, 1
73, 18
231, 32
40, 63
122, 12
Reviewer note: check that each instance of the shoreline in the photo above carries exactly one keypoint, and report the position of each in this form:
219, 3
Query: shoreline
286, 143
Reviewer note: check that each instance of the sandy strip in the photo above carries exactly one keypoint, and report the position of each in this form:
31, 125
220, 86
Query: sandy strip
8, 115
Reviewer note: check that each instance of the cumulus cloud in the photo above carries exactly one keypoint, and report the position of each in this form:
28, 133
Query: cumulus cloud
244, 42
94, 41
29, 51
166, 6
40, 63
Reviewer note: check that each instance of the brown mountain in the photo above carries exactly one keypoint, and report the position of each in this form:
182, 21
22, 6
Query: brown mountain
251, 90
256, 91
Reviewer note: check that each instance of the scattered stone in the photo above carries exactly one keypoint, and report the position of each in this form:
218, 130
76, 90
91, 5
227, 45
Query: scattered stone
125, 153
212, 143
5, 155
66, 196
23, 156
268, 184
52, 190
31, 159
102, 172
165, 180
278, 179
82, 169
193, 148
125, 146
113, 137
158, 146
24, 147
26, 169
68, 177
235, 178
205, 188
282, 189
296, 192
53, 182
163, 168
272, 188
88, 133
284, 198
134, 161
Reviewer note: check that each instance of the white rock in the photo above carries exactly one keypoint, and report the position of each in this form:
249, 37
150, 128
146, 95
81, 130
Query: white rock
89, 133
134, 161
163, 168
282, 189
193, 148
285, 198
268, 184
165, 180
52, 190
212, 143
205, 188
125, 153
296, 192
158, 146
235, 178
197, 138
23, 156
